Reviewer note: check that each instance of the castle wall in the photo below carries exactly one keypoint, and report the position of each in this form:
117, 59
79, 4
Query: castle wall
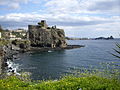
39, 36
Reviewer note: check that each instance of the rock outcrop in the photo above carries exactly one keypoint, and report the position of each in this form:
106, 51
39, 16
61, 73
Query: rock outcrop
1, 59
6, 53
21, 45
43, 36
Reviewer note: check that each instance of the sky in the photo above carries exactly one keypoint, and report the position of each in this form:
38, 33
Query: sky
79, 18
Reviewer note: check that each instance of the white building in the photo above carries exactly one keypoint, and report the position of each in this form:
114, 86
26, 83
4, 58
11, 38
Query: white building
15, 38
0, 35
12, 36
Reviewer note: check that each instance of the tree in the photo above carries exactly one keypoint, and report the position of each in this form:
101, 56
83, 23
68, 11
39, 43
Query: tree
1, 29
117, 50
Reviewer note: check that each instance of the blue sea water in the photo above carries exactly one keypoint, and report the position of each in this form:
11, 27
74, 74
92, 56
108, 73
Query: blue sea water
54, 64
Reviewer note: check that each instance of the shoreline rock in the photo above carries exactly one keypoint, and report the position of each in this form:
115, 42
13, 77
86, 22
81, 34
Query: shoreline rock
41, 49
6, 53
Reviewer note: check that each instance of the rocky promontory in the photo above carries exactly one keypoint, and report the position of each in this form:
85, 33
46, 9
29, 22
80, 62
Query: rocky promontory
43, 36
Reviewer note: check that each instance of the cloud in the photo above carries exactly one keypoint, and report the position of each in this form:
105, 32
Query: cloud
12, 4
64, 20
62, 6
83, 6
69, 6
105, 6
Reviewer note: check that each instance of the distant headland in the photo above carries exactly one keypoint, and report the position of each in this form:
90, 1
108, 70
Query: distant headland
99, 38
103, 38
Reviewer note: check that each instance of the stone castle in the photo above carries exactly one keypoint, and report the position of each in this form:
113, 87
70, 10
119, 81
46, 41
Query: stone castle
43, 36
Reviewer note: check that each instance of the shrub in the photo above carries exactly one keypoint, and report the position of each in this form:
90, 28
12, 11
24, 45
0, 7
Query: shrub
66, 83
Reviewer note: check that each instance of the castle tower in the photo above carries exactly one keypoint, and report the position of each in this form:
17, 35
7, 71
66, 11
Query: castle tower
43, 24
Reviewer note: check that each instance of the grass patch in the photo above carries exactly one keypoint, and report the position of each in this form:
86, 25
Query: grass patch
4, 42
66, 83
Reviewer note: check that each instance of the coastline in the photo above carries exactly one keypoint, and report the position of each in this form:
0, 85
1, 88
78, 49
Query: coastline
9, 52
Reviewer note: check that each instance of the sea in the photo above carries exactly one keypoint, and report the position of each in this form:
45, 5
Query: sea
54, 64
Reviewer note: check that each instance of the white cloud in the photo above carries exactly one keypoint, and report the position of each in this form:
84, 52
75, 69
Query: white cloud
105, 6
65, 20
58, 18
13, 4
62, 6
70, 6
83, 6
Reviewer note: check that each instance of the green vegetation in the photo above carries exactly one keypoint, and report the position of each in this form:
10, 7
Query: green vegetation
4, 42
18, 42
66, 83
15, 42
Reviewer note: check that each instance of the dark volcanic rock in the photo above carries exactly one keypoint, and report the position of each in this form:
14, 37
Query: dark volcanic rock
1, 59
111, 37
5, 54
43, 36
46, 49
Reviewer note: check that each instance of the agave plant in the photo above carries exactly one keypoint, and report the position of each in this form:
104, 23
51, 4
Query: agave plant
117, 50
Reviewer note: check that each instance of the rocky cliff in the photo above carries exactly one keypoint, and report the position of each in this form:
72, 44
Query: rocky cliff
9, 50
1, 59
43, 36
6, 53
